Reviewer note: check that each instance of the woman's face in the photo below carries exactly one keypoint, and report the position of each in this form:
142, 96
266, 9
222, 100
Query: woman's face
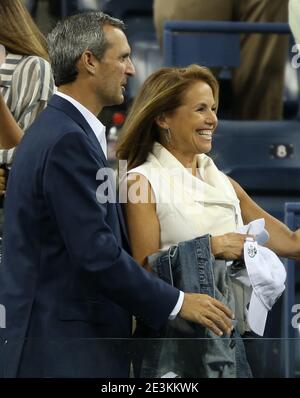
193, 123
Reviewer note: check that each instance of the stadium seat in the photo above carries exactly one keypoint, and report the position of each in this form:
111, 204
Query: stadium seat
216, 44
69, 7
126, 8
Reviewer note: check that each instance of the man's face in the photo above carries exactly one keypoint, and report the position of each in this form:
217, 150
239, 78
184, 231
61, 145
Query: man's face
114, 68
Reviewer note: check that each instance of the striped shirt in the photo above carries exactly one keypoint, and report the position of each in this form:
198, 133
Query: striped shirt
27, 84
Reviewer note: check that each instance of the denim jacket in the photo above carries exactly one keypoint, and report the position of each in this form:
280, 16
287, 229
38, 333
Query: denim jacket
190, 350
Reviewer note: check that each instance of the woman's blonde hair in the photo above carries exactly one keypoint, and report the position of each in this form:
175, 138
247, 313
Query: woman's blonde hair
162, 92
19, 34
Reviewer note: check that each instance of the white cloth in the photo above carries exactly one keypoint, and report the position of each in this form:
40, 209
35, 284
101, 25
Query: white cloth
256, 228
241, 284
95, 124
267, 276
263, 277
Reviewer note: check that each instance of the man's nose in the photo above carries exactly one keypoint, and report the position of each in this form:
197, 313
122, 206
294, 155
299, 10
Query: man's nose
130, 69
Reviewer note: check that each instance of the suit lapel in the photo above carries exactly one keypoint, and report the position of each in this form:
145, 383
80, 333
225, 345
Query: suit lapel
65, 106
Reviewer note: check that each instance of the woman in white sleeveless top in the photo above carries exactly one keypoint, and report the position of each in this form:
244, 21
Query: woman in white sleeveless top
175, 191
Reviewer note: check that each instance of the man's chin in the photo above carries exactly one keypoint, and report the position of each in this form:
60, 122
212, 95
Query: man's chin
119, 100
115, 101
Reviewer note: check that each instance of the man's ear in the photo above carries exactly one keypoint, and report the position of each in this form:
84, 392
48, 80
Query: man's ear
87, 62
161, 121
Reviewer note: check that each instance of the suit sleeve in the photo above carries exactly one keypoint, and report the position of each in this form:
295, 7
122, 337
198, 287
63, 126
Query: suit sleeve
70, 187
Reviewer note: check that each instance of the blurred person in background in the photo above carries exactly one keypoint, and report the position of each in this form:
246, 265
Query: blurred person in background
257, 84
26, 81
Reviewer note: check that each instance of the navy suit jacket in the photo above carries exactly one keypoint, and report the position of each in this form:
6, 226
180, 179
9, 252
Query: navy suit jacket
67, 281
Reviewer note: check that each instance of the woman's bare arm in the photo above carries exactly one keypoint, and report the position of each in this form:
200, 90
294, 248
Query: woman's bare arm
142, 221
283, 241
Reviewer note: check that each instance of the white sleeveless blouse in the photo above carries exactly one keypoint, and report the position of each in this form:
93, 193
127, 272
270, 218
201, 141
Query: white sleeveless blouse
189, 206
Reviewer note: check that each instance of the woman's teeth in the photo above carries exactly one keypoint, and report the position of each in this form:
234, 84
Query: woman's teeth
207, 133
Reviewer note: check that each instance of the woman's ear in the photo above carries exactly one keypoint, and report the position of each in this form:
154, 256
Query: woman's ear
161, 121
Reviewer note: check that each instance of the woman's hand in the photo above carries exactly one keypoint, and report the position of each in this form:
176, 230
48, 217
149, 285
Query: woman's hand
208, 312
229, 246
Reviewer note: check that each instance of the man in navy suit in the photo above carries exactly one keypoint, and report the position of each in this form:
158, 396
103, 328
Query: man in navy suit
67, 281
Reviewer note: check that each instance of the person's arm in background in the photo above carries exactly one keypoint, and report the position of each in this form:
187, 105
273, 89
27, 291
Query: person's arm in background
2, 181
10, 131
283, 241
33, 93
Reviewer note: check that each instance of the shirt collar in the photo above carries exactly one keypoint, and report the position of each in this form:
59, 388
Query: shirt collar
95, 124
